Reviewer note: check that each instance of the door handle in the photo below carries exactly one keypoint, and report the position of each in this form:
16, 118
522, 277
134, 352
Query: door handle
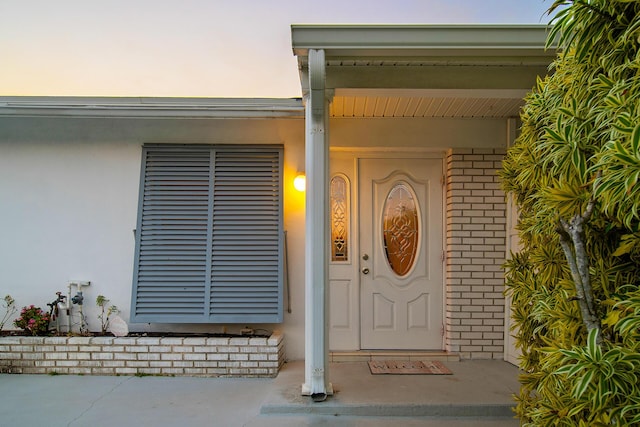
365, 271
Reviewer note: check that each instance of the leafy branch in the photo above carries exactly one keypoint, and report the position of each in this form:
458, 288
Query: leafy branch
10, 309
105, 312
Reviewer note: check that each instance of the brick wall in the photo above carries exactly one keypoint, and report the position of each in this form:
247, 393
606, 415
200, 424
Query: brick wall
476, 245
211, 357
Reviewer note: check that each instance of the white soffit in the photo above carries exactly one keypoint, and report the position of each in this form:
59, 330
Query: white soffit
442, 103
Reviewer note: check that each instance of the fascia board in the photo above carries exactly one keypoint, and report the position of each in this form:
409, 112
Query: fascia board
421, 40
179, 108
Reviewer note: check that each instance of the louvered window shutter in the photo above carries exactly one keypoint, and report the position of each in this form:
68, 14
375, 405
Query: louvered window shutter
209, 236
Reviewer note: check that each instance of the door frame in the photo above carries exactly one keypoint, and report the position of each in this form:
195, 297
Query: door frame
353, 155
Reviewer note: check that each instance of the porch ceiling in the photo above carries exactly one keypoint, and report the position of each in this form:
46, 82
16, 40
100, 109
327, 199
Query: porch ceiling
468, 71
426, 103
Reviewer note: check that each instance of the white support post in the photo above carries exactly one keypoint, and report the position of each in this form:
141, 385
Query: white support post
317, 234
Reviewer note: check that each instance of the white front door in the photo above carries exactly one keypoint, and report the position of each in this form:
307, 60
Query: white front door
401, 267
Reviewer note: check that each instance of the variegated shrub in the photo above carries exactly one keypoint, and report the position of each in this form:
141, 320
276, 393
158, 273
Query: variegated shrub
574, 173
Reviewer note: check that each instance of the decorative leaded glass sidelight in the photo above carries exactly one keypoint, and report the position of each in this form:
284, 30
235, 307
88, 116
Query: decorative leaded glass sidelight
339, 219
400, 228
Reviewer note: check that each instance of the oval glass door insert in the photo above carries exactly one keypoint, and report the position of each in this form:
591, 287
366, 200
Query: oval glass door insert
400, 228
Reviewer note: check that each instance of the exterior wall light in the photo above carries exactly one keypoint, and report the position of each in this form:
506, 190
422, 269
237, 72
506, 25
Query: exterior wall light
300, 182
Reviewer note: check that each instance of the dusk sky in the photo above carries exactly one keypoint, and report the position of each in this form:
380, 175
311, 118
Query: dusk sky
201, 48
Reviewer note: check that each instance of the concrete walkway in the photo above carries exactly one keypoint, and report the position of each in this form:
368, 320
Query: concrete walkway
479, 393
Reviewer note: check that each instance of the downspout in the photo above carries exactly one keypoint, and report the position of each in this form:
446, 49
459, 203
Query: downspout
316, 231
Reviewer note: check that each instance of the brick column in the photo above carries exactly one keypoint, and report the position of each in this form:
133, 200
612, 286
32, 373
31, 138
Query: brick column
476, 245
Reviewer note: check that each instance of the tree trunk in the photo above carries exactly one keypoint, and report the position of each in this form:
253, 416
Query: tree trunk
572, 240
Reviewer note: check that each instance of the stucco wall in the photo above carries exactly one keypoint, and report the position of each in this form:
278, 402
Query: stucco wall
69, 197
69, 200
428, 133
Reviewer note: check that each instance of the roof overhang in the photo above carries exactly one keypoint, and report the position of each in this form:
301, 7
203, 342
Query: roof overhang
150, 108
422, 40
475, 70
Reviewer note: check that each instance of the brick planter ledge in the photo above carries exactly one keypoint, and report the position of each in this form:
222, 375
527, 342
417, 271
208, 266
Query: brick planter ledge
207, 357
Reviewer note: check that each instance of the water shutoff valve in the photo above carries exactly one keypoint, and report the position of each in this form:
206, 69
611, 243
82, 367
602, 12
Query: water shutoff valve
78, 298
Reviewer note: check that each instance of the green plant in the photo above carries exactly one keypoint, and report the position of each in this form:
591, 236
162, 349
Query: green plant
10, 309
574, 173
33, 320
105, 312
604, 378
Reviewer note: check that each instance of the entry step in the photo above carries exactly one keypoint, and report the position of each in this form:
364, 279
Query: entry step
368, 355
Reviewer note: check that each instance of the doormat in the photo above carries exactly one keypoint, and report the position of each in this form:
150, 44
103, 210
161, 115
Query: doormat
405, 367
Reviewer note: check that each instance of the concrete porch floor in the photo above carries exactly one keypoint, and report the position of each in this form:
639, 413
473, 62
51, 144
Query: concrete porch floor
477, 390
